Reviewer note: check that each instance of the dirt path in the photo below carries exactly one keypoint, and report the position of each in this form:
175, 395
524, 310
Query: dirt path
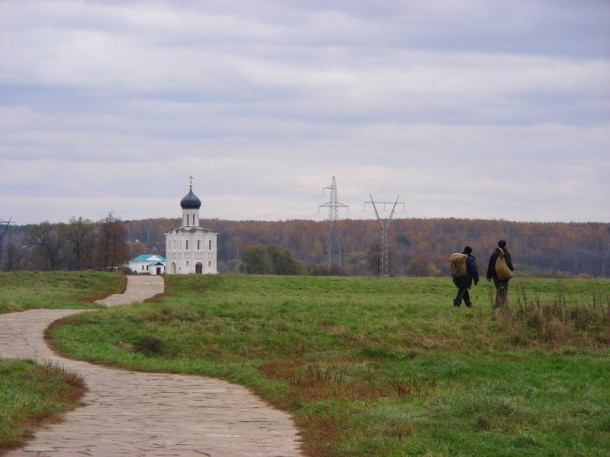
147, 414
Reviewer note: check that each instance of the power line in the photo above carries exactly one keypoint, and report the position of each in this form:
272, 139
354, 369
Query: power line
334, 237
383, 257
281, 210
4, 226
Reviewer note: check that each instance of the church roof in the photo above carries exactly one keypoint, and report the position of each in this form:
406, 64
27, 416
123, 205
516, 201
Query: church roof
192, 229
190, 201
149, 258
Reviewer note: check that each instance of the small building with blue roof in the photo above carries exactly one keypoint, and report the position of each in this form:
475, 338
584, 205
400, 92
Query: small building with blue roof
148, 264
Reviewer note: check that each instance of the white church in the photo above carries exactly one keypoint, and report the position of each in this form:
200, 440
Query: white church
191, 248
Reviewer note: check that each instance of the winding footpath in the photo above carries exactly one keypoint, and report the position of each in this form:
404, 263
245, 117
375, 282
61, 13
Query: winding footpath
136, 414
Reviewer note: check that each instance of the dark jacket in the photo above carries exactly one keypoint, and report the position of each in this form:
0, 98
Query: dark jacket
491, 267
472, 273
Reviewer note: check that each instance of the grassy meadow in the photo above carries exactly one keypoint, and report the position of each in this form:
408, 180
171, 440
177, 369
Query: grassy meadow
383, 366
32, 394
23, 290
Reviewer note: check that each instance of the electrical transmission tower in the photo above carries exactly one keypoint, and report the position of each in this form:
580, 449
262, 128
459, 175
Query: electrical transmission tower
383, 256
334, 237
4, 226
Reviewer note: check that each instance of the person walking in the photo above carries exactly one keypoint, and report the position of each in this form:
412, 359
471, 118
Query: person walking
500, 275
463, 283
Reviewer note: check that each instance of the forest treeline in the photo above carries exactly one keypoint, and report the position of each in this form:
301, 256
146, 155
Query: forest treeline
417, 247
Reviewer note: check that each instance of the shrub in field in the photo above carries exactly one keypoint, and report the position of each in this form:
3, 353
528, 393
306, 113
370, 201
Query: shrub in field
557, 323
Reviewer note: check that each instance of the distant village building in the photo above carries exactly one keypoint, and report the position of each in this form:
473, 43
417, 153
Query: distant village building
151, 264
191, 248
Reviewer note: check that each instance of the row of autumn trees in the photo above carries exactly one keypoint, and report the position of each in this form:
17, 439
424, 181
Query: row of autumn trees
79, 244
417, 247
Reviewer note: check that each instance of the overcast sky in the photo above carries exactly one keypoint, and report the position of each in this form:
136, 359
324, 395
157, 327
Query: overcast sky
468, 109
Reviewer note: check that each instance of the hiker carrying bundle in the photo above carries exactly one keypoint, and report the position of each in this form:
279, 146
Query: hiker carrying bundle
457, 264
463, 268
500, 269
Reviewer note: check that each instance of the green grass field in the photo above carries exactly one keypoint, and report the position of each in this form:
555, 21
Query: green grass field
23, 290
31, 394
381, 366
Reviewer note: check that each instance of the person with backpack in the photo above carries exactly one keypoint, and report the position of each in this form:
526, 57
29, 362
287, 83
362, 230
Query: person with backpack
464, 271
500, 269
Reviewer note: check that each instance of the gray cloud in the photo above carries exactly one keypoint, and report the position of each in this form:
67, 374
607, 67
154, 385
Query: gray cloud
465, 109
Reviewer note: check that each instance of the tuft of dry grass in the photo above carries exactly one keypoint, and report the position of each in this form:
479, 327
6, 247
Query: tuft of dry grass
557, 324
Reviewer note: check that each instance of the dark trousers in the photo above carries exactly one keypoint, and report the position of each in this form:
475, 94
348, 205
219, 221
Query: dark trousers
462, 293
501, 292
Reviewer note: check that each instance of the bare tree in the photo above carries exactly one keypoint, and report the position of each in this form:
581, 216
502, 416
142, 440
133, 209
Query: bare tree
111, 246
79, 233
49, 241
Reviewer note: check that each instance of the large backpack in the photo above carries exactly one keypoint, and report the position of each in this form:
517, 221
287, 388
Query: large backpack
457, 265
502, 271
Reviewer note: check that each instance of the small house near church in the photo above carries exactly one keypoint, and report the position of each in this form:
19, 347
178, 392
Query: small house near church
191, 248
150, 264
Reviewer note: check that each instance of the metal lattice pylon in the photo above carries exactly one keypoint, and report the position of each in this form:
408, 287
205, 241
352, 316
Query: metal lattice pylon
383, 256
334, 236
4, 226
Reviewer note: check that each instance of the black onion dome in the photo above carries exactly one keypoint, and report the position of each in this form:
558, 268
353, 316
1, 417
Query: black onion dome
190, 201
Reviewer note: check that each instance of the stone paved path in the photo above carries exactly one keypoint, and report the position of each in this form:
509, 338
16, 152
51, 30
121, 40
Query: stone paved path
139, 288
142, 414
